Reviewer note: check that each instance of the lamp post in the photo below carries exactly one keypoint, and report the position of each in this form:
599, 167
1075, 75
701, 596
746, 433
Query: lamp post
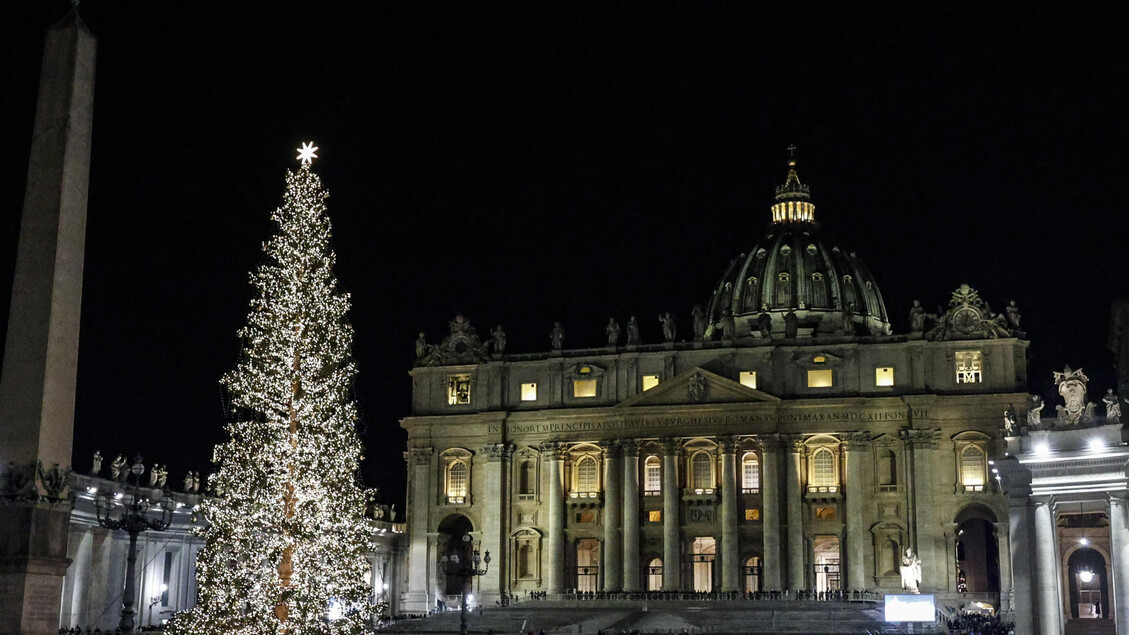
464, 569
130, 512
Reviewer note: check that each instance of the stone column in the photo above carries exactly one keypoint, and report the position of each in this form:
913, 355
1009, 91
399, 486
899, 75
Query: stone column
1006, 584
672, 544
796, 548
554, 453
922, 446
772, 565
421, 498
494, 503
856, 446
1046, 569
612, 562
1119, 548
632, 570
1019, 542
37, 383
730, 568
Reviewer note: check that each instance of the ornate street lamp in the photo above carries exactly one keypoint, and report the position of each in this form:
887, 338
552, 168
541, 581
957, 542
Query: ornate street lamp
464, 569
132, 512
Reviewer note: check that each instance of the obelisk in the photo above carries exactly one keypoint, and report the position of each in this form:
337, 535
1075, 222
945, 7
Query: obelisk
37, 383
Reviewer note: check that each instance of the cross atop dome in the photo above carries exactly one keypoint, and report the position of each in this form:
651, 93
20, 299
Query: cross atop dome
793, 198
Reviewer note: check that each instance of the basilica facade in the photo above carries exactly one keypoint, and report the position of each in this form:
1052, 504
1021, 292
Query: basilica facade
790, 441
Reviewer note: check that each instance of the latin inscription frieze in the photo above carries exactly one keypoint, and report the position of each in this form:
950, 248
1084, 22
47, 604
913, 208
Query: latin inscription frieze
635, 423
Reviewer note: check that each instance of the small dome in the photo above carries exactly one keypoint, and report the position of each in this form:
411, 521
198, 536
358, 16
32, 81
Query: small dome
797, 269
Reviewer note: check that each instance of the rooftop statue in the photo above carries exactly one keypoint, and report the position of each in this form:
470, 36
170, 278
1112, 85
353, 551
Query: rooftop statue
764, 324
1112, 407
118, 469
1009, 421
613, 332
499, 340
916, 318
728, 325
1013, 315
791, 324
96, 464
698, 317
556, 336
421, 346
632, 331
667, 321
1035, 412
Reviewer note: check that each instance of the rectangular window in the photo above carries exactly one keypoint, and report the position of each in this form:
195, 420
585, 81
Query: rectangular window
652, 476
529, 391
586, 517
166, 579
752, 514
749, 378
969, 367
884, 376
819, 378
458, 390
650, 381
584, 388
655, 515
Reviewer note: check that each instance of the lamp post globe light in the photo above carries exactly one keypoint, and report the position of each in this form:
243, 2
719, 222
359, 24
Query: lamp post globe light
464, 569
133, 512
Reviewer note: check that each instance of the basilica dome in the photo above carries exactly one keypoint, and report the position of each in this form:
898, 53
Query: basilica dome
796, 274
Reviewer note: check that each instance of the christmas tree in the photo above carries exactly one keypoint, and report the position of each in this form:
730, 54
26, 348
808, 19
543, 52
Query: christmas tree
285, 543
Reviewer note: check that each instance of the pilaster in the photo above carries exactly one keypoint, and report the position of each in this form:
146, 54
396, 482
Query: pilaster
420, 499
922, 446
1119, 548
497, 458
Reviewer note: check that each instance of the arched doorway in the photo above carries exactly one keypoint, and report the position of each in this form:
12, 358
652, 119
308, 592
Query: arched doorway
451, 532
977, 551
1089, 588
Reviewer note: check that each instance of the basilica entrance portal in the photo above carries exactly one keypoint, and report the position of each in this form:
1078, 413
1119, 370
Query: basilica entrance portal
977, 551
825, 551
1089, 586
451, 532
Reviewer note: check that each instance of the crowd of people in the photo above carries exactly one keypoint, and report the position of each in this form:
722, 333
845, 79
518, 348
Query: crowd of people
838, 595
978, 624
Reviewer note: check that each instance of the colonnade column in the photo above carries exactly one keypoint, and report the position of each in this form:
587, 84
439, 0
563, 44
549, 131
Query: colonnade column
856, 445
1006, 584
1019, 543
1119, 546
796, 578
1046, 568
613, 558
420, 500
728, 486
771, 564
671, 542
631, 567
554, 453
497, 472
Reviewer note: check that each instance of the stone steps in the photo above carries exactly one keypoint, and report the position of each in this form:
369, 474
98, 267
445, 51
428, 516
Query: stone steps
1090, 627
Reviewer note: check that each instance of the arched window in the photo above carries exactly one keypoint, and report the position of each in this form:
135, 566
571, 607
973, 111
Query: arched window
750, 474
972, 467
700, 469
652, 469
823, 468
525, 561
752, 574
887, 467
457, 473
587, 475
655, 574
526, 478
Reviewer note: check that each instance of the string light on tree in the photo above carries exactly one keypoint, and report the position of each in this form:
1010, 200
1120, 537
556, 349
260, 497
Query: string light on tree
285, 543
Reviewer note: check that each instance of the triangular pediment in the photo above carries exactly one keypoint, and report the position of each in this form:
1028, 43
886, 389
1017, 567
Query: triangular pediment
697, 386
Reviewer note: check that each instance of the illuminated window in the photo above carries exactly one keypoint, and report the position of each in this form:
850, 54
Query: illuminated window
655, 574
884, 376
587, 475
752, 514
969, 367
655, 516
823, 468
652, 472
584, 388
458, 390
457, 477
701, 470
529, 391
650, 381
819, 378
750, 474
819, 359
825, 513
749, 378
586, 517
972, 467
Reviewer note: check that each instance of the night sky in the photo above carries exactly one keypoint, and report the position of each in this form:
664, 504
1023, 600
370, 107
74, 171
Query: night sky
564, 161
